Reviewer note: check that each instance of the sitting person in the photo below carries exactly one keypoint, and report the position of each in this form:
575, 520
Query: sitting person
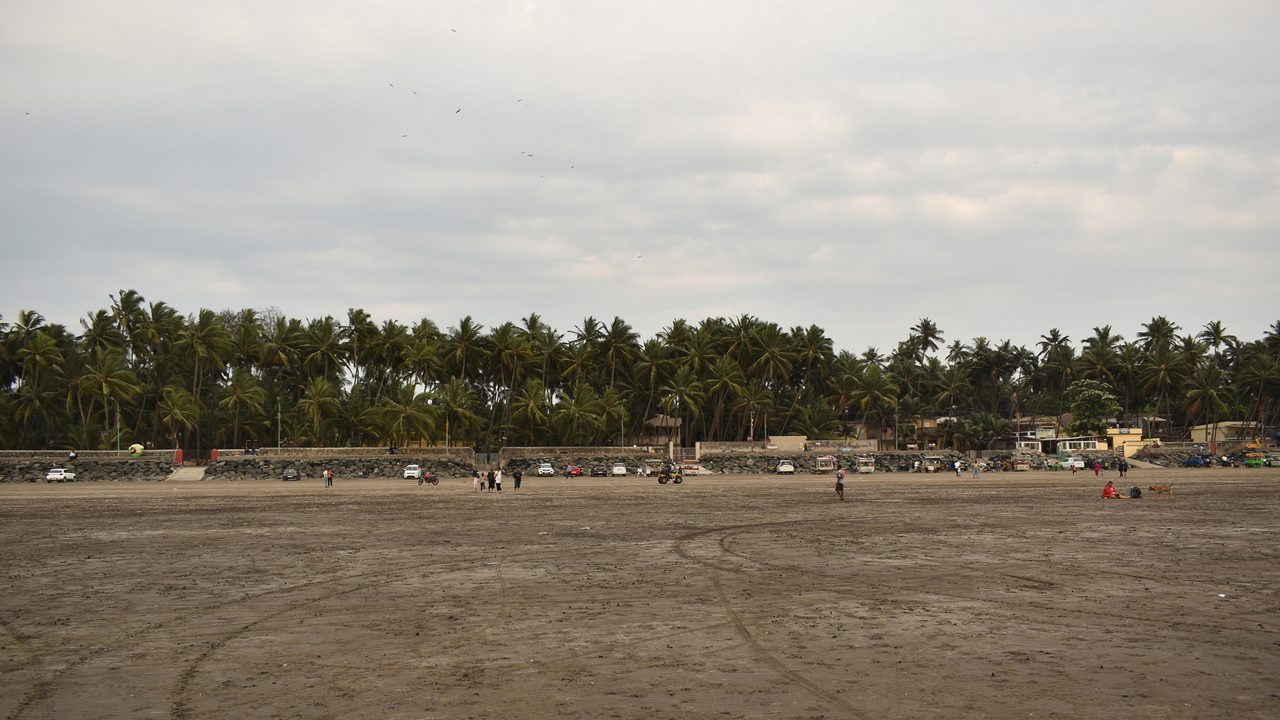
1109, 492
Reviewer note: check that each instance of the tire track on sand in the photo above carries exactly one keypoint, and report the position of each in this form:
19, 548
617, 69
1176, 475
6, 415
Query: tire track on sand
740, 627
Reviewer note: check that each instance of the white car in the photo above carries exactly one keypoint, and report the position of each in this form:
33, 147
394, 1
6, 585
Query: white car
412, 472
786, 467
618, 469
59, 475
1076, 462
546, 470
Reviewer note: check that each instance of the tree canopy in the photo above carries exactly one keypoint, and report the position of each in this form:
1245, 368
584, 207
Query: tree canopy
139, 371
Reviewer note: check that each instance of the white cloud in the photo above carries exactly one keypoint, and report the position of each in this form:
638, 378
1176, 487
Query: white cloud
854, 165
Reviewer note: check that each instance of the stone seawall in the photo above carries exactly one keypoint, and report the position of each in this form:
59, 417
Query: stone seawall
259, 468
135, 469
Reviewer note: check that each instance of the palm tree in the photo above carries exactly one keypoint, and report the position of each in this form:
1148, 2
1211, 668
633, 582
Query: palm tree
457, 403
529, 407
754, 400
178, 410
875, 396
406, 415
723, 383
1206, 396
464, 350
243, 397
1160, 332
620, 346
683, 397
100, 333
319, 402
106, 378
322, 347
926, 337
577, 414
1215, 335
1161, 374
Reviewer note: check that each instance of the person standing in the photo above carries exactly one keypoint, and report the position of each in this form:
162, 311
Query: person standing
1097, 468
328, 478
497, 479
977, 470
840, 483
475, 480
489, 476
517, 475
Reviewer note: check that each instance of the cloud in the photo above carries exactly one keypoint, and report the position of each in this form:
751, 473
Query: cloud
853, 165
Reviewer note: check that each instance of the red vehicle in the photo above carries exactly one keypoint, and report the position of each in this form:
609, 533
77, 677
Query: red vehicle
572, 471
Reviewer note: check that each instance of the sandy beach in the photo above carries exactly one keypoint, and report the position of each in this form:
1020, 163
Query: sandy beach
1016, 595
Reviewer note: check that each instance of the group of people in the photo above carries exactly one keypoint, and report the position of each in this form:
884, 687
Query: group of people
492, 480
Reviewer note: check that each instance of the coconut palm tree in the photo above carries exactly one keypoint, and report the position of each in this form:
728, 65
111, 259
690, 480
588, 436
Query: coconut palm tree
242, 399
529, 408
319, 402
875, 396
178, 410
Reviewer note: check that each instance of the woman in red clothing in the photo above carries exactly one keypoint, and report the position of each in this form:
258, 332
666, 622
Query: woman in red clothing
1109, 492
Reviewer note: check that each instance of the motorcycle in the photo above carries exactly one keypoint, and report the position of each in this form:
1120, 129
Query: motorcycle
673, 476
429, 478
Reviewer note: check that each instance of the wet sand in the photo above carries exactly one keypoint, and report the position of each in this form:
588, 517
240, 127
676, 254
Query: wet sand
1017, 595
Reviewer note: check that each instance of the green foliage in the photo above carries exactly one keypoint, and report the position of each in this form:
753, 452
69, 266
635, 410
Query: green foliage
224, 378
1091, 403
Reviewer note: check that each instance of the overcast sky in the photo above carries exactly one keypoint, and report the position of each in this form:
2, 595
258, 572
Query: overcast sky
999, 167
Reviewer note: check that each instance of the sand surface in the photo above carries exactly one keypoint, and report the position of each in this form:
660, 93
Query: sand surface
1017, 595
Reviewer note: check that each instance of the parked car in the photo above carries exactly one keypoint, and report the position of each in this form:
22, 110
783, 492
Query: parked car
786, 467
545, 470
290, 473
412, 472
1254, 459
599, 471
1193, 461
618, 469
573, 471
1075, 461
59, 475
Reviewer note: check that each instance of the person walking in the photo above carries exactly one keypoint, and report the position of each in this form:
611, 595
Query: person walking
977, 470
475, 480
840, 483
517, 475
497, 479
489, 476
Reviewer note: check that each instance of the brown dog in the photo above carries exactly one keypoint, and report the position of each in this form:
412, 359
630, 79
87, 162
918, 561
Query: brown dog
1162, 489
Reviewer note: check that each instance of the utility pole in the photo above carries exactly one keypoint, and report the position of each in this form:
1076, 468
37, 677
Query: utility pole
278, 402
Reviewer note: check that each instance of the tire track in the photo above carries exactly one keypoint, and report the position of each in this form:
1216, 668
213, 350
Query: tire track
180, 708
770, 658
1088, 616
740, 627
43, 690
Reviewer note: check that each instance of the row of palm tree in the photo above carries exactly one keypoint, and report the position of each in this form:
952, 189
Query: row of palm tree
140, 371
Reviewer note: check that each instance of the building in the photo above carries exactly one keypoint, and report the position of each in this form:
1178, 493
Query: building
1225, 432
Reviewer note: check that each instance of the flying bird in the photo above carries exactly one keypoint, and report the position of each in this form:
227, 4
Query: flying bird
404, 135
455, 112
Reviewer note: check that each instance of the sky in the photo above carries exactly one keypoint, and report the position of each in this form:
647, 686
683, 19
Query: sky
1000, 167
